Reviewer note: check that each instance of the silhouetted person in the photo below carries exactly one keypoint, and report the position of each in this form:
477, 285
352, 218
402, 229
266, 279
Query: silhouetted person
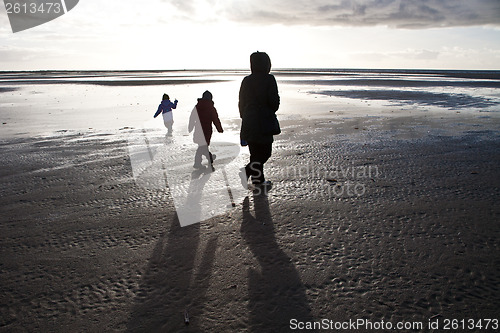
202, 117
258, 95
165, 108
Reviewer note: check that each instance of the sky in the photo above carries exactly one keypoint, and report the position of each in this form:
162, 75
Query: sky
221, 34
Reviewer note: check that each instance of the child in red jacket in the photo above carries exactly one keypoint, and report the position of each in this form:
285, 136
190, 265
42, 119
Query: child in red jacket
202, 117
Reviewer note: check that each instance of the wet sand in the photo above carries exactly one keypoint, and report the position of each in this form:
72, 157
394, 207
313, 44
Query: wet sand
84, 249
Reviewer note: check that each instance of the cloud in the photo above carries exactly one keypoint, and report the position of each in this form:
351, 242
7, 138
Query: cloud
410, 54
183, 5
412, 14
15, 54
4, 20
426, 55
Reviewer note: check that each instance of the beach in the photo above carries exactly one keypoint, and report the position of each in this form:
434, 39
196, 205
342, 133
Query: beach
383, 210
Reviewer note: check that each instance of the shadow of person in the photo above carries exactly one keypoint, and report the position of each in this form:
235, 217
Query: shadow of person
276, 292
194, 206
175, 281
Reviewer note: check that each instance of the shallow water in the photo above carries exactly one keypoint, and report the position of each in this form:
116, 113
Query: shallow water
37, 103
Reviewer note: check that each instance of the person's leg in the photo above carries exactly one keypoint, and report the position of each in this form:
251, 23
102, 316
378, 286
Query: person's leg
203, 151
265, 151
252, 168
259, 154
169, 127
209, 156
198, 156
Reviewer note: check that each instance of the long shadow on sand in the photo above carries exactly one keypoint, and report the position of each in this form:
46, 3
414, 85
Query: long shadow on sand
276, 292
174, 281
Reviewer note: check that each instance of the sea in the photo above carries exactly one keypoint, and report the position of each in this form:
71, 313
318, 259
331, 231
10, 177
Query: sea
50, 102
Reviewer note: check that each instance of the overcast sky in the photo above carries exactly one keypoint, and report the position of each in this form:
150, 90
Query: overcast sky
187, 34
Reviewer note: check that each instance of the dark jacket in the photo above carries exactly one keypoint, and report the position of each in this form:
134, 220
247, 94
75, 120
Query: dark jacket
165, 106
258, 93
202, 117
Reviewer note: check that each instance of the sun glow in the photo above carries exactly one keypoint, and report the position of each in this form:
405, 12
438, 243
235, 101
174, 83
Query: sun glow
222, 34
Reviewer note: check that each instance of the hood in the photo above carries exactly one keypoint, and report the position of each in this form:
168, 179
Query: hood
260, 62
207, 95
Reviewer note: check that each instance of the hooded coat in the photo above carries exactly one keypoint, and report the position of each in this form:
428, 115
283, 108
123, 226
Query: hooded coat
258, 93
165, 107
202, 117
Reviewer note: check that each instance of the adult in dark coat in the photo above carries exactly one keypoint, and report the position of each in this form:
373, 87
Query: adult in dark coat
258, 94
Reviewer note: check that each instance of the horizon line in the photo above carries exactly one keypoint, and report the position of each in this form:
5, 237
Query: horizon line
248, 70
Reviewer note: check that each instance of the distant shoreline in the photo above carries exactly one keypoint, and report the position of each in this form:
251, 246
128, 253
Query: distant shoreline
274, 70
169, 77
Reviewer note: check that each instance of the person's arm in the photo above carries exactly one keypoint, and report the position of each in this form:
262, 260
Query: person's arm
192, 119
216, 121
174, 105
273, 97
243, 96
158, 112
